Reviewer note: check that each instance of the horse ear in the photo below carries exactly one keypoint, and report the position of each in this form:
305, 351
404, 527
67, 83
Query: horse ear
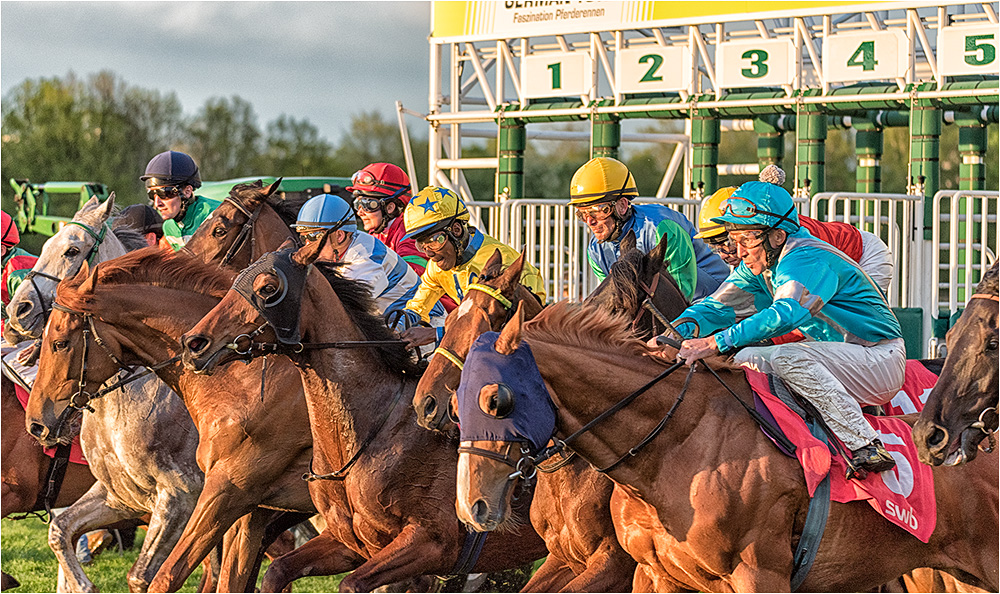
628, 243
89, 277
308, 253
271, 189
492, 267
656, 255
108, 207
510, 336
512, 276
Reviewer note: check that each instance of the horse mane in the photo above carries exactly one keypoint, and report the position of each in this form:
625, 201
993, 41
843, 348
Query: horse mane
287, 207
625, 272
151, 266
584, 326
360, 305
130, 238
990, 281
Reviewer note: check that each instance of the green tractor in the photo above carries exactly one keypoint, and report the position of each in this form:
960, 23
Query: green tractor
46, 207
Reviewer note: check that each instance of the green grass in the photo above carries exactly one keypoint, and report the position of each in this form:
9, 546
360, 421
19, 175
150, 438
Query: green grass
26, 555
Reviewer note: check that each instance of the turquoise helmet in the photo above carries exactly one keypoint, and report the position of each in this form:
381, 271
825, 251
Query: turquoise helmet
759, 205
326, 211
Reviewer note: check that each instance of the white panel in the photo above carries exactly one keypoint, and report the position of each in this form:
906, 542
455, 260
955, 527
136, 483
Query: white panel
871, 55
762, 62
557, 74
653, 69
968, 50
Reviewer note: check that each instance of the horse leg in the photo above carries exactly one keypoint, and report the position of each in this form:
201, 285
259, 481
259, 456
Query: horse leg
245, 547
415, 551
170, 512
550, 576
211, 567
90, 512
220, 504
322, 555
606, 571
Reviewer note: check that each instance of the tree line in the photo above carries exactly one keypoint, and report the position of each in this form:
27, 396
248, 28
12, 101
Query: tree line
100, 128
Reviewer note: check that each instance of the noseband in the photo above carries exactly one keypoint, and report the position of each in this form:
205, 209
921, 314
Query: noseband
508, 305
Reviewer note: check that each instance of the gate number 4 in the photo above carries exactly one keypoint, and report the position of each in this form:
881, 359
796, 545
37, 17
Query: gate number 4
864, 56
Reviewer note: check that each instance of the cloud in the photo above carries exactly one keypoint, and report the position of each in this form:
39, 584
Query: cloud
321, 61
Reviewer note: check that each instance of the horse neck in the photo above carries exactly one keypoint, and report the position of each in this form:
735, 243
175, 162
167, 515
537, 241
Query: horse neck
346, 389
601, 378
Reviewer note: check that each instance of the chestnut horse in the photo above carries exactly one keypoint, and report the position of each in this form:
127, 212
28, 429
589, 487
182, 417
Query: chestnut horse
249, 453
570, 507
709, 503
386, 507
961, 410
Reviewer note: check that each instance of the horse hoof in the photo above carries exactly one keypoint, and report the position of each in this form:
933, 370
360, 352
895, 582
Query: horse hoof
7, 581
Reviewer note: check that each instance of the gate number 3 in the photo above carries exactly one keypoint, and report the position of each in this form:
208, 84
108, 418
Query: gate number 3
758, 63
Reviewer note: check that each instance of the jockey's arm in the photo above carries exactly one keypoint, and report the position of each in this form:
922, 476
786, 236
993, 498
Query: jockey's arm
682, 263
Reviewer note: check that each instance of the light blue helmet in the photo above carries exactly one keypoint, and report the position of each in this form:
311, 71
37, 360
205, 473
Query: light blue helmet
760, 205
327, 211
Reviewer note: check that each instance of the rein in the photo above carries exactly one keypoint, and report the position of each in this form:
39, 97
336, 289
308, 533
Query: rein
339, 475
246, 230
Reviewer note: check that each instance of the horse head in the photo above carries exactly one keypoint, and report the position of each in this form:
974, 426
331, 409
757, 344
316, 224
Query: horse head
242, 228
487, 305
264, 301
961, 410
634, 278
78, 354
85, 239
506, 416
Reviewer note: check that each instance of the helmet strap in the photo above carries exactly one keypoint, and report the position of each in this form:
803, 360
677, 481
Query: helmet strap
771, 252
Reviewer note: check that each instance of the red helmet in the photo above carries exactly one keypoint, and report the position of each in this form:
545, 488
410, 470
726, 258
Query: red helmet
10, 237
383, 180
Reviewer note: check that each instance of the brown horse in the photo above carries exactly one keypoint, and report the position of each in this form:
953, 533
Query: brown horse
249, 454
709, 503
386, 507
570, 507
961, 410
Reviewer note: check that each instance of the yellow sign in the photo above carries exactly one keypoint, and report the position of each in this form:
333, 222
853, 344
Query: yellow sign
484, 19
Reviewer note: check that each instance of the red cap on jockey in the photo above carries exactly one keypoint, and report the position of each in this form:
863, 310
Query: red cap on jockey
383, 179
10, 235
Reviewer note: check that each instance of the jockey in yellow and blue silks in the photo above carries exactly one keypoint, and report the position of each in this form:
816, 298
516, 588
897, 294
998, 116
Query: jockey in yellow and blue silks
602, 190
438, 220
809, 285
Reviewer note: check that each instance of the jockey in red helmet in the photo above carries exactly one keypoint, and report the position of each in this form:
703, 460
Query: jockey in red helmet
16, 262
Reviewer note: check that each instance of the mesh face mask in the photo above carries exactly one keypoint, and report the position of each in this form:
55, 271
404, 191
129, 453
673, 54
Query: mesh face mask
283, 309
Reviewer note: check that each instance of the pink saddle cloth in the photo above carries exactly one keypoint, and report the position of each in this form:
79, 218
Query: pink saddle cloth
903, 495
75, 451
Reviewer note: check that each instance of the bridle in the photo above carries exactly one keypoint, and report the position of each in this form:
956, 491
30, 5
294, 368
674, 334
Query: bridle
989, 419
91, 255
246, 231
509, 306
80, 400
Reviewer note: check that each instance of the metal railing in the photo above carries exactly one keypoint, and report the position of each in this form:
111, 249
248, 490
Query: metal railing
964, 244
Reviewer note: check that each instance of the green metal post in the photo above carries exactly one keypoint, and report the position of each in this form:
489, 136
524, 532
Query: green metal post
606, 135
972, 150
925, 166
868, 148
810, 157
705, 133
770, 142
510, 170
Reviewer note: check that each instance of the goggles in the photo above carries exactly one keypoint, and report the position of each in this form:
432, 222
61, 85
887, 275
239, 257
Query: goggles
748, 239
435, 241
366, 203
721, 244
310, 234
164, 193
598, 212
366, 178
742, 208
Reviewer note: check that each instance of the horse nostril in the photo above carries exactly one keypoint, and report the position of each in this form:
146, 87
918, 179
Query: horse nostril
937, 437
196, 344
23, 308
430, 407
479, 511
36, 430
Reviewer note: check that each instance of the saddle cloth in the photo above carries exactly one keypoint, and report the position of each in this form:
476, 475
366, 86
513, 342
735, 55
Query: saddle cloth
903, 495
917, 384
21, 376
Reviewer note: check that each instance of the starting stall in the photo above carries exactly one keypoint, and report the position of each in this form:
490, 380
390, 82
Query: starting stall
777, 68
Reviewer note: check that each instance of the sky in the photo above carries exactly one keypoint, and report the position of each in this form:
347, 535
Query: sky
321, 61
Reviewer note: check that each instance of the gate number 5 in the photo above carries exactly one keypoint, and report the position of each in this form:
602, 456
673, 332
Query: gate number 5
979, 43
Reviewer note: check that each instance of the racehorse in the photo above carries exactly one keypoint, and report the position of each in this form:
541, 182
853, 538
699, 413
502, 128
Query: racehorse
570, 507
249, 455
961, 410
384, 508
708, 501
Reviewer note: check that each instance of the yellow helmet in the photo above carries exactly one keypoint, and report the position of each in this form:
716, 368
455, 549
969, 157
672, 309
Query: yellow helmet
711, 207
601, 179
433, 208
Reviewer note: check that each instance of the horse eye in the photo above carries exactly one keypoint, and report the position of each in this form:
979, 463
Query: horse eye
219, 231
60, 345
71, 252
267, 290
991, 344
497, 400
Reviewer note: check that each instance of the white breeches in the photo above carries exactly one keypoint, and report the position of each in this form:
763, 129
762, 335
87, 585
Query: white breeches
835, 377
876, 260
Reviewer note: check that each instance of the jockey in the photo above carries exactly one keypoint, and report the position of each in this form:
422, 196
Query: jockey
365, 258
171, 178
602, 190
804, 280
17, 263
381, 192
438, 220
144, 219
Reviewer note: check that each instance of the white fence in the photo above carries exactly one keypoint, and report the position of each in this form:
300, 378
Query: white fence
936, 275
